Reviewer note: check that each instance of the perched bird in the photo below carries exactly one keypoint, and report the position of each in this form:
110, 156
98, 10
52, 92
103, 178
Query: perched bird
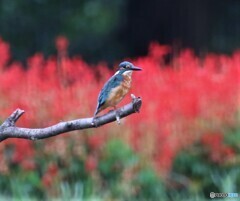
116, 87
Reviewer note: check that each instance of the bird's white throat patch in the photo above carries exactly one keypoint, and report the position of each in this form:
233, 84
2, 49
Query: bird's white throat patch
128, 73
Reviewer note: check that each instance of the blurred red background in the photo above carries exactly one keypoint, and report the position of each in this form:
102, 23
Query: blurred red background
184, 100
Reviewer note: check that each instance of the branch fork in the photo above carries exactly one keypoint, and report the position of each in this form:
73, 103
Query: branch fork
12, 119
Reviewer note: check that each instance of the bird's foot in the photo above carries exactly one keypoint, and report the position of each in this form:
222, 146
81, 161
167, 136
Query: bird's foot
133, 96
118, 117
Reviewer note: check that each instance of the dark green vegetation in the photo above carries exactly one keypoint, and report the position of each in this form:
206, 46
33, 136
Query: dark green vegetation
108, 30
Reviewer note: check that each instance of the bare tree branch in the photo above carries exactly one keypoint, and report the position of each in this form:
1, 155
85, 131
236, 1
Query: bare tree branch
9, 130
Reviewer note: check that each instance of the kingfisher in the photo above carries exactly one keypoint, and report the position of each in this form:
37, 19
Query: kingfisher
116, 87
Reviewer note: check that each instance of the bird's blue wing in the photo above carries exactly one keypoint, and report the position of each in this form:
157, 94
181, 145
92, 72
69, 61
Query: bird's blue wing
113, 82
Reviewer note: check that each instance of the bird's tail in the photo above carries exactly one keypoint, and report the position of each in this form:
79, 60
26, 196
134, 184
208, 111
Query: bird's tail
97, 111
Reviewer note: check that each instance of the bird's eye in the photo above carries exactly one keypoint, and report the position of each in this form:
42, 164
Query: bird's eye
127, 66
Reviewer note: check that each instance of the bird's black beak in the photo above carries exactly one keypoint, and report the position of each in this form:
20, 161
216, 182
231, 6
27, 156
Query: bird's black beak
135, 68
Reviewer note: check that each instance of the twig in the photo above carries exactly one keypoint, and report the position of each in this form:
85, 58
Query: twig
9, 130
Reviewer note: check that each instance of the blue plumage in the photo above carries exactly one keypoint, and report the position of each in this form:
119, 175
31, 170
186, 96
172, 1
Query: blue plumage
113, 82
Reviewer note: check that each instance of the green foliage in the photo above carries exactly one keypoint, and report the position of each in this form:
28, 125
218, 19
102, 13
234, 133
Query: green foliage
149, 185
117, 156
119, 174
88, 23
21, 184
233, 137
197, 173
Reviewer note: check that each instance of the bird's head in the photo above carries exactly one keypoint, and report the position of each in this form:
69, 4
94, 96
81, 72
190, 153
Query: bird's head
126, 66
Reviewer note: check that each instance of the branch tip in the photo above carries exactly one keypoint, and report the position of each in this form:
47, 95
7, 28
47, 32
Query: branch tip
137, 103
12, 119
16, 115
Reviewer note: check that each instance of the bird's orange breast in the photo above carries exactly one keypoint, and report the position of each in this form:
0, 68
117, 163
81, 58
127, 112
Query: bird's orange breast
118, 93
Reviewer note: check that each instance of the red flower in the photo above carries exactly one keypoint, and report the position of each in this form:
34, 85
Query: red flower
61, 43
50, 175
4, 52
158, 51
52, 169
95, 141
47, 180
165, 158
213, 140
23, 150
218, 151
228, 152
28, 164
91, 163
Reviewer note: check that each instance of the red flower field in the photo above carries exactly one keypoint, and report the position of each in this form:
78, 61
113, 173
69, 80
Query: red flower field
183, 99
